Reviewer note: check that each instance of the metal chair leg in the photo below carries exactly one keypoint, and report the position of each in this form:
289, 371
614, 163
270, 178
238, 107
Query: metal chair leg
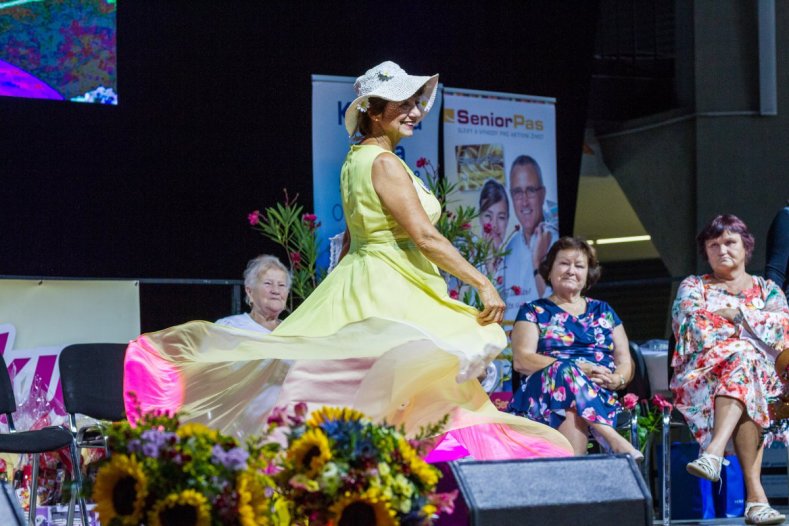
666, 430
76, 489
33, 500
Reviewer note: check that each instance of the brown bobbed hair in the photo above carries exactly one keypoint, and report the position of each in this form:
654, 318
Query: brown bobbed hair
572, 243
725, 223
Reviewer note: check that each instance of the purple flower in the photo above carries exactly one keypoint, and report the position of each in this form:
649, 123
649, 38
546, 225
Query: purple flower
154, 440
234, 460
134, 446
150, 449
277, 416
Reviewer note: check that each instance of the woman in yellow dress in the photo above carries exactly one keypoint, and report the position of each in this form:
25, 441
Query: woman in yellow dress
379, 334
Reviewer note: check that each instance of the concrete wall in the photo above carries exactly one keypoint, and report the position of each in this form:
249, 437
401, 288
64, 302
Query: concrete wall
681, 169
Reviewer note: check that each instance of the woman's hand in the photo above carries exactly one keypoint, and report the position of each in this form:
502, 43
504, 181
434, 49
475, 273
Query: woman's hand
609, 380
588, 368
494, 305
600, 375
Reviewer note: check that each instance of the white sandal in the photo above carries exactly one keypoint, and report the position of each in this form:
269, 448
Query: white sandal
707, 466
762, 513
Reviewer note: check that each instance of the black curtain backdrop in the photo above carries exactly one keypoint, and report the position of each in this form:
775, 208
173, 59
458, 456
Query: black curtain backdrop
214, 121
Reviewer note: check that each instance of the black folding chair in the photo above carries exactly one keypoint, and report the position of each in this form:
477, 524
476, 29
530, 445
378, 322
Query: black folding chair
32, 442
639, 385
91, 375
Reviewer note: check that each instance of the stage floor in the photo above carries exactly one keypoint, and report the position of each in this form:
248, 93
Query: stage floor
717, 522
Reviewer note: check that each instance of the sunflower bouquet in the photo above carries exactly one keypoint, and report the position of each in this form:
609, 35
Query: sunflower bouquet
339, 468
163, 473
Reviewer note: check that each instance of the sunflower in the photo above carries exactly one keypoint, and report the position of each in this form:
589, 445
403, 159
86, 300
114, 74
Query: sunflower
331, 414
196, 429
252, 501
367, 508
310, 452
424, 471
186, 507
120, 491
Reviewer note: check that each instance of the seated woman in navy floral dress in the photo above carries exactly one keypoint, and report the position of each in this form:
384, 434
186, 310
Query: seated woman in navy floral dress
573, 353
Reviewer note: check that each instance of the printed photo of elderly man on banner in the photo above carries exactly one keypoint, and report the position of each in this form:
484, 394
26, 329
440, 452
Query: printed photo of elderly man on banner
500, 155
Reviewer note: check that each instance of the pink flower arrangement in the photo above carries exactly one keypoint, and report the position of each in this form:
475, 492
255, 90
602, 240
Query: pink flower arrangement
487, 228
649, 415
311, 221
661, 402
630, 401
421, 162
253, 217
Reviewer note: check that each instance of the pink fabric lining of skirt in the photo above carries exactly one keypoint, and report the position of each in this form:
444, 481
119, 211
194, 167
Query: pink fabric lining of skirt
491, 442
155, 381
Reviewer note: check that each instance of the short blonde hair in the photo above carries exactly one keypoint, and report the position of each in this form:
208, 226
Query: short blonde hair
259, 265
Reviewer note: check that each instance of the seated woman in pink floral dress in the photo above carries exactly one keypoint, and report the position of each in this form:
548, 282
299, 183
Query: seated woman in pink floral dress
729, 327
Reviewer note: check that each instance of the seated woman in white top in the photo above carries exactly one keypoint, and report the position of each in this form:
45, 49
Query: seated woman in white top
267, 283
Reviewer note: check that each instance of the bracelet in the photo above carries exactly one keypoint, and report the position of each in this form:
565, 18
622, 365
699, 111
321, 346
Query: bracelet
621, 381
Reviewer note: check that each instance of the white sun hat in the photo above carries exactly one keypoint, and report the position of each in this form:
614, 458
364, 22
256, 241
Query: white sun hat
390, 82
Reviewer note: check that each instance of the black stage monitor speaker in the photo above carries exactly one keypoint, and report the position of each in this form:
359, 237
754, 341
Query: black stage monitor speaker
10, 511
593, 490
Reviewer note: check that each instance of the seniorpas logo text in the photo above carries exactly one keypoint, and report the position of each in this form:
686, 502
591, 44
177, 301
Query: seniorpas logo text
515, 121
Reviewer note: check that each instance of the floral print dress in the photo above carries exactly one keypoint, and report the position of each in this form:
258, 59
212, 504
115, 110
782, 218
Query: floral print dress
546, 395
713, 357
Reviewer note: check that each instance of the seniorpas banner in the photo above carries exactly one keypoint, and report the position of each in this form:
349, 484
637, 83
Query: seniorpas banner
500, 152
331, 96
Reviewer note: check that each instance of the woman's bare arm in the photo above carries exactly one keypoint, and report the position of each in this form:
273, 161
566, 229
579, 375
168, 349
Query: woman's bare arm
398, 195
525, 359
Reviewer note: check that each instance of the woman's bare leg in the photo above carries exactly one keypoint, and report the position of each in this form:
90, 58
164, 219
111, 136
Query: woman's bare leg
728, 413
618, 443
748, 444
575, 430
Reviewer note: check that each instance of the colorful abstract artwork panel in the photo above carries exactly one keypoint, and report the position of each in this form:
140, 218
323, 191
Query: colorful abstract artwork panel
59, 49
